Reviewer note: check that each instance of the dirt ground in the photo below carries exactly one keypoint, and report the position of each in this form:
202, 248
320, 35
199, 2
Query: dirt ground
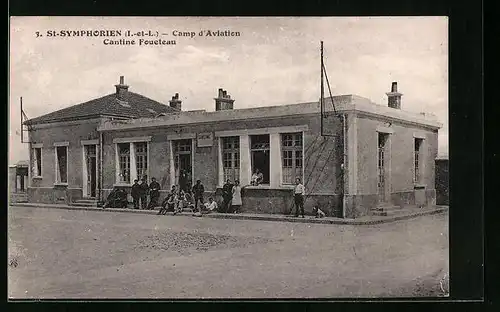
62, 254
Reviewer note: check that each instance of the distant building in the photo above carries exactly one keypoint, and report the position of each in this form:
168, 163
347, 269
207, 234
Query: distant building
18, 181
369, 155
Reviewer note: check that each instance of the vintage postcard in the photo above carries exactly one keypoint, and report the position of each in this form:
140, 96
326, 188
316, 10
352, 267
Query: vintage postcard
228, 157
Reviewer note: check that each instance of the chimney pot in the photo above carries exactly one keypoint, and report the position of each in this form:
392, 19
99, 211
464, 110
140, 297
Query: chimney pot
223, 101
121, 89
175, 102
394, 87
394, 97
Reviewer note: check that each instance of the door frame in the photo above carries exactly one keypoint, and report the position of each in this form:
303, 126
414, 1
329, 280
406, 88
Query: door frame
386, 196
172, 160
85, 169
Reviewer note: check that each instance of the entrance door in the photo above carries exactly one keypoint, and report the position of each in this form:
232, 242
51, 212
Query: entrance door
182, 164
91, 162
382, 140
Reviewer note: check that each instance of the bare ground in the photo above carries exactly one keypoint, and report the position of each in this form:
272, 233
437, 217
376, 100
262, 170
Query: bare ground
86, 254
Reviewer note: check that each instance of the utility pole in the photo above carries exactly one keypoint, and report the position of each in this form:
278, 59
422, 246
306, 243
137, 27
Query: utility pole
322, 89
22, 128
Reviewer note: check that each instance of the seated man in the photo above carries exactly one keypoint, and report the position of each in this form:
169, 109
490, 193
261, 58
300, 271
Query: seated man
116, 199
170, 202
181, 201
122, 201
211, 205
187, 202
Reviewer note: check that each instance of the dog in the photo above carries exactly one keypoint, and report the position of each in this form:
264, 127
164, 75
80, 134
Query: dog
318, 212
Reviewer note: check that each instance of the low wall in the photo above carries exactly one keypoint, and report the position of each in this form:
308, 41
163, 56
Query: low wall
362, 205
54, 195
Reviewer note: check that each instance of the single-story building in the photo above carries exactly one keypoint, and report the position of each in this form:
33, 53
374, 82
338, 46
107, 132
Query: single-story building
353, 155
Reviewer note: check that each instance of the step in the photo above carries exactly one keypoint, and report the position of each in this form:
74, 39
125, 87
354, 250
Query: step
84, 204
385, 210
86, 200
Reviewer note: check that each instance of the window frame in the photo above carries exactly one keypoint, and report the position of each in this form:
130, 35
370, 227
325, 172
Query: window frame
417, 160
143, 155
121, 154
231, 146
289, 143
35, 160
58, 177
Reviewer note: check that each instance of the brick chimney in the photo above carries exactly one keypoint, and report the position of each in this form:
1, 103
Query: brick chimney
175, 102
121, 89
223, 101
394, 97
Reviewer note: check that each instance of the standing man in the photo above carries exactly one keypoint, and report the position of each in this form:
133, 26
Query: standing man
144, 193
136, 193
299, 193
227, 196
154, 189
183, 180
198, 191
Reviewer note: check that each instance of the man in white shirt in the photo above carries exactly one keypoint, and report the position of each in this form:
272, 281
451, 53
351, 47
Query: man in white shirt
211, 205
299, 193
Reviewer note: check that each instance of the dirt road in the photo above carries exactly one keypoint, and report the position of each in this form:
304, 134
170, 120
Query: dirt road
57, 253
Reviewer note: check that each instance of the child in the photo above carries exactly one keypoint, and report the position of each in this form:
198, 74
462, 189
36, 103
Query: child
318, 212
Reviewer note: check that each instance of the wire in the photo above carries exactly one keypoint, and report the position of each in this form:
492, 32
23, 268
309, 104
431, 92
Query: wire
329, 89
314, 150
330, 153
311, 145
315, 163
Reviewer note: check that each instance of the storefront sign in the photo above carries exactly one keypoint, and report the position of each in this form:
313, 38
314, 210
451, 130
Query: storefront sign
205, 139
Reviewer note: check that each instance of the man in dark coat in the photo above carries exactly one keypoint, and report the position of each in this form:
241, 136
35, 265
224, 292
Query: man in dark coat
198, 191
144, 193
227, 196
154, 191
136, 193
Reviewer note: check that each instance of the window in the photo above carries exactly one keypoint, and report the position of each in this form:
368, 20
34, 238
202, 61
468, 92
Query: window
231, 158
62, 164
124, 162
37, 162
260, 149
141, 158
381, 168
417, 159
291, 146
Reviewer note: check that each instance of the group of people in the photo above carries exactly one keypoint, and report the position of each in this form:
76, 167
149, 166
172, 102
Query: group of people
178, 199
140, 191
192, 197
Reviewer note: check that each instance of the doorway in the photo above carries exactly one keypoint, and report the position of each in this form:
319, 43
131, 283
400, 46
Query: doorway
260, 149
382, 167
91, 165
183, 164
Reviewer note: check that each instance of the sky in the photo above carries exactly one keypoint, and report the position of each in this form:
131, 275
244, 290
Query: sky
274, 61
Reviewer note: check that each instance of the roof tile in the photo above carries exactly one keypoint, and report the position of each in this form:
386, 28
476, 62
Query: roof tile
135, 106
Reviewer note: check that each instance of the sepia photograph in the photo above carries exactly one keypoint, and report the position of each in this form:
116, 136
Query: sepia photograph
228, 158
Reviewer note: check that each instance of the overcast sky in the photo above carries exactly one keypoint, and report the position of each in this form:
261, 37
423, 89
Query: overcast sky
274, 61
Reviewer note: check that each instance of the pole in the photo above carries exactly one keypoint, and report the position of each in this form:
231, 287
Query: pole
22, 134
322, 89
99, 194
344, 148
